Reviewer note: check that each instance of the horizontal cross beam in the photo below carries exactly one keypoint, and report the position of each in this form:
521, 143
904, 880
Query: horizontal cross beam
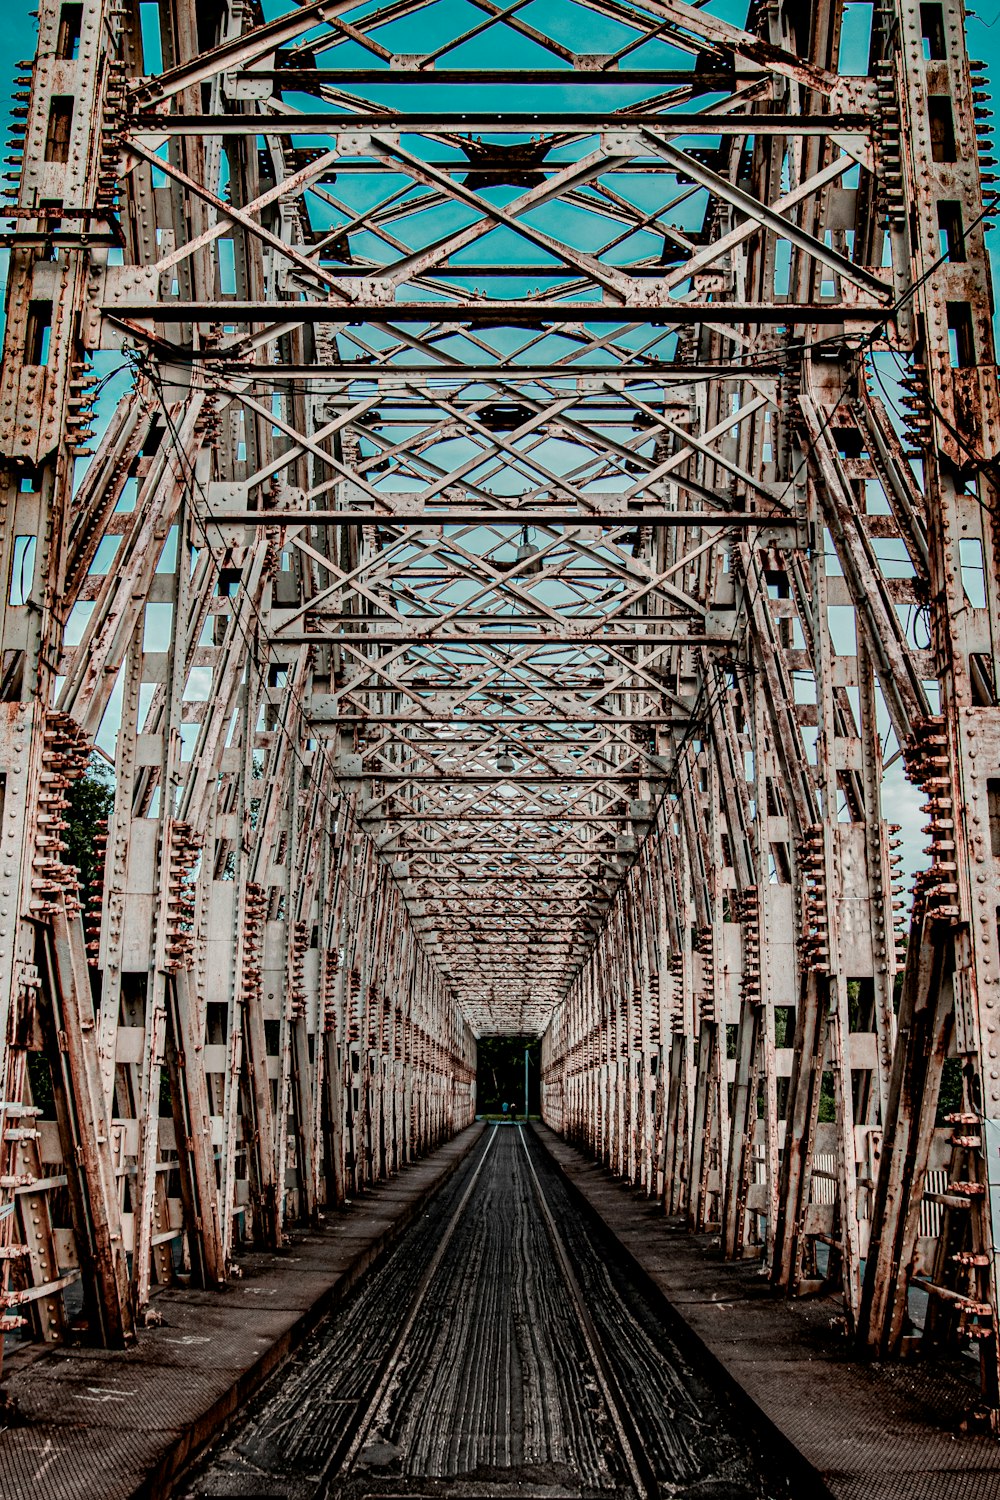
452, 515
596, 720
488, 638
460, 818
641, 371
322, 122
470, 315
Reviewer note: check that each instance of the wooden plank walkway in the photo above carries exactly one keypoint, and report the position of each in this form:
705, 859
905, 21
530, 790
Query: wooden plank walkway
495, 1354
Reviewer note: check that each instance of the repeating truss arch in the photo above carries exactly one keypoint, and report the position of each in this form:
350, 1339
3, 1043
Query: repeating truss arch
550, 502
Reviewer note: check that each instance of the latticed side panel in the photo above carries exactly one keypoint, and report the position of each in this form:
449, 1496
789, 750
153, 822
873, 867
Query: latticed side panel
176, 1076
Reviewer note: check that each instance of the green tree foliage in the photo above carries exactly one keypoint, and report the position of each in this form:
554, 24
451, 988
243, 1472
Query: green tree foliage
827, 1099
91, 799
501, 1074
950, 1100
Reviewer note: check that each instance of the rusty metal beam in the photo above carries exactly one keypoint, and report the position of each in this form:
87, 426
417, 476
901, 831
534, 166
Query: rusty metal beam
560, 468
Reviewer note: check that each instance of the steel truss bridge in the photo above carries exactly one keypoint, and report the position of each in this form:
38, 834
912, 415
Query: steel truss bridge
552, 502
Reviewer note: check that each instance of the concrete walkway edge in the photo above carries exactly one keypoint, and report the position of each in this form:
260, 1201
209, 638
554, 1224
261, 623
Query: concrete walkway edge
438, 1168
779, 1449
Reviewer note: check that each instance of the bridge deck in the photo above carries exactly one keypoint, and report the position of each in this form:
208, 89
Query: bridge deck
874, 1432
496, 1352
533, 1330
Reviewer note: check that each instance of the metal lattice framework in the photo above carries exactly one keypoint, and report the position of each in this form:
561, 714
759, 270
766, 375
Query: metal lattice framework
506, 584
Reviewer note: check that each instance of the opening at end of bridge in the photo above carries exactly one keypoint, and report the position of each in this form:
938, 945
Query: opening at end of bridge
508, 1077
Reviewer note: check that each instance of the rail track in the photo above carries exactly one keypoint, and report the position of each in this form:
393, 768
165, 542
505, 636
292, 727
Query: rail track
496, 1352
